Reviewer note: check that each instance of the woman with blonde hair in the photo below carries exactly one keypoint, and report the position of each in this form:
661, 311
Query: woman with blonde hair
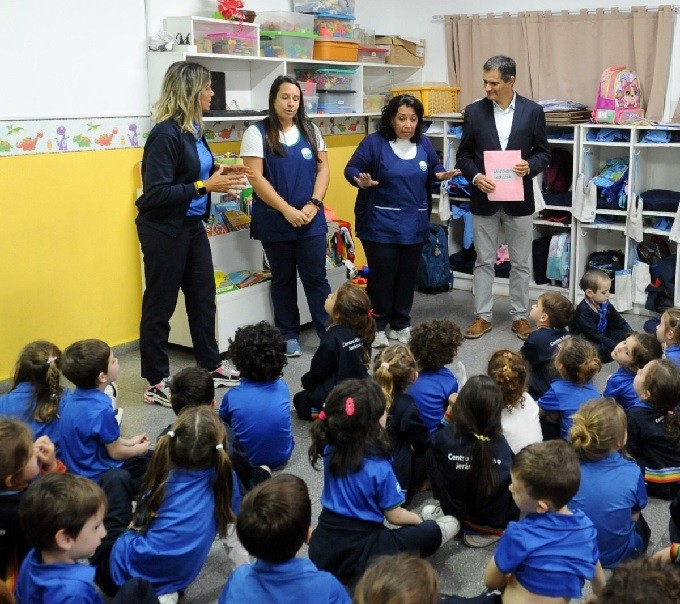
178, 175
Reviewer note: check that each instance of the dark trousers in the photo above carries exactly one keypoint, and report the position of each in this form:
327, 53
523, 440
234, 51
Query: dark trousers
170, 264
305, 256
392, 282
642, 529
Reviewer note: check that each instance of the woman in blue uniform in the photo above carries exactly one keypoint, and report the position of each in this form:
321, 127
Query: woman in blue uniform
394, 169
288, 158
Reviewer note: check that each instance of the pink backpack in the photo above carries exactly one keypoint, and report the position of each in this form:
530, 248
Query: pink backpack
619, 98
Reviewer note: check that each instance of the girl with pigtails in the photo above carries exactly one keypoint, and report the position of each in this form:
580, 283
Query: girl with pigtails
187, 497
519, 417
394, 369
469, 464
360, 489
37, 396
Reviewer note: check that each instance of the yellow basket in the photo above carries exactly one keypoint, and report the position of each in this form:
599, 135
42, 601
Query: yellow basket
435, 99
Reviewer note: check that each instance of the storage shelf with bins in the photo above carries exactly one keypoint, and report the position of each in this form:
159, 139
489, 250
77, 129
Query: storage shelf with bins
247, 81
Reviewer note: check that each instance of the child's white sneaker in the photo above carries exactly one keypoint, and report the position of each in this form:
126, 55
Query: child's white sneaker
403, 336
432, 512
449, 526
380, 340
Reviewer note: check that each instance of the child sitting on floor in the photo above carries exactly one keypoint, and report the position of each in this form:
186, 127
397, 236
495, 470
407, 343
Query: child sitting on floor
394, 369
257, 411
654, 427
612, 492
576, 363
434, 345
344, 351
548, 554
469, 464
632, 354
519, 418
360, 489
273, 524
62, 516
595, 317
668, 333
551, 315
37, 396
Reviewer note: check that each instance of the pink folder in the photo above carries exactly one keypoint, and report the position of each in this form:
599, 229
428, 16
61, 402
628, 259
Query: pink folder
498, 166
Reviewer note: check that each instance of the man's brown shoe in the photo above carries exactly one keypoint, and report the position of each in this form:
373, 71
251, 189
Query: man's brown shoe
478, 329
522, 328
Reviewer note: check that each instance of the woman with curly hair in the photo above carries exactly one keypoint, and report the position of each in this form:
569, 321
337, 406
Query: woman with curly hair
257, 411
519, 418
434, 345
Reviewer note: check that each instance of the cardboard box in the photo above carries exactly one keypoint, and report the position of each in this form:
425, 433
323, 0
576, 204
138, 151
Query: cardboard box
203, 45
403, 51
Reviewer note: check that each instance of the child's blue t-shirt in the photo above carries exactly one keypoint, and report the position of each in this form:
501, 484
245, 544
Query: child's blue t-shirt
566, 397
611, 490
550, 554
19, 403
620, 388
259, 416
172, 551
431, 393
366, 494
43, 583
88, 423
295, 580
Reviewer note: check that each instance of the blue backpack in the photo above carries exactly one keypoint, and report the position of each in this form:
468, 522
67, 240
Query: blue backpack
434, 273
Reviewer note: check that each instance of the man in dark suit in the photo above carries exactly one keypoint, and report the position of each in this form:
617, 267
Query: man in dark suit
503, 120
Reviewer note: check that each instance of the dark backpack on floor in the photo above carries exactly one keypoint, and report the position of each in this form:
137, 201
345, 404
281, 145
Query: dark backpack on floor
608, 261
434, 273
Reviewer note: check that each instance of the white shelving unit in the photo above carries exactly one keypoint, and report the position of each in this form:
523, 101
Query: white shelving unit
247, 82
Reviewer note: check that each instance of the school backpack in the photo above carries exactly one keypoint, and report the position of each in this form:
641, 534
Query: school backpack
557, 268
558, 174
434, 272
608, 261
619, 97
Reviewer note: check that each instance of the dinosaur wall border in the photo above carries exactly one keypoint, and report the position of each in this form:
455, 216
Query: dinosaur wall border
32, 137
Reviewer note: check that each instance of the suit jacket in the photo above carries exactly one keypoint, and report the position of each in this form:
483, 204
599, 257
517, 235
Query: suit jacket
527, 135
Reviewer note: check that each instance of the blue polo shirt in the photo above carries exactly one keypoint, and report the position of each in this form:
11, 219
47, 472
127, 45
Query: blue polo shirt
259, 416
295, 580
19, 404
171, 552
55, 583
87, 425
365, 494
611, 490
566, 397
673, 354
620, 388
430, 393
550, 554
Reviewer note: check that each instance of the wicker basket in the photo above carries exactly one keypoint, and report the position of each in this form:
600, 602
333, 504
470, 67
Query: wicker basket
435, 99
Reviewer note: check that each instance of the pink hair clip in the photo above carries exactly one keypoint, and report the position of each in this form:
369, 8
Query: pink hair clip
349, 406
322, 415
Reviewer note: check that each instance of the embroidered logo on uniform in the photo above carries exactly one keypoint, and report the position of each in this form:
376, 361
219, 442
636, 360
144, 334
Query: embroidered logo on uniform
423, 166
307, 153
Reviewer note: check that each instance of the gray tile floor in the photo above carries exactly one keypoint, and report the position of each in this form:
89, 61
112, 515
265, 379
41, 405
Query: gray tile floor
460, 568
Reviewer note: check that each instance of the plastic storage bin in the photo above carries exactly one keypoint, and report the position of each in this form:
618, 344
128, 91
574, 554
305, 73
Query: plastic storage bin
328, 78
311, 104
373, 103
331, 27
435, 99
238, 39
286, 22
336, 51
286, 44
333, 7
372, 54
308, 87
332, 101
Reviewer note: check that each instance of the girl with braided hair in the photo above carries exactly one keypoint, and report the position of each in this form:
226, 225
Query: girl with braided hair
519, 417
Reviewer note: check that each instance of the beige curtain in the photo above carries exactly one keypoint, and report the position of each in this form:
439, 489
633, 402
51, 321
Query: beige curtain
561, 56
